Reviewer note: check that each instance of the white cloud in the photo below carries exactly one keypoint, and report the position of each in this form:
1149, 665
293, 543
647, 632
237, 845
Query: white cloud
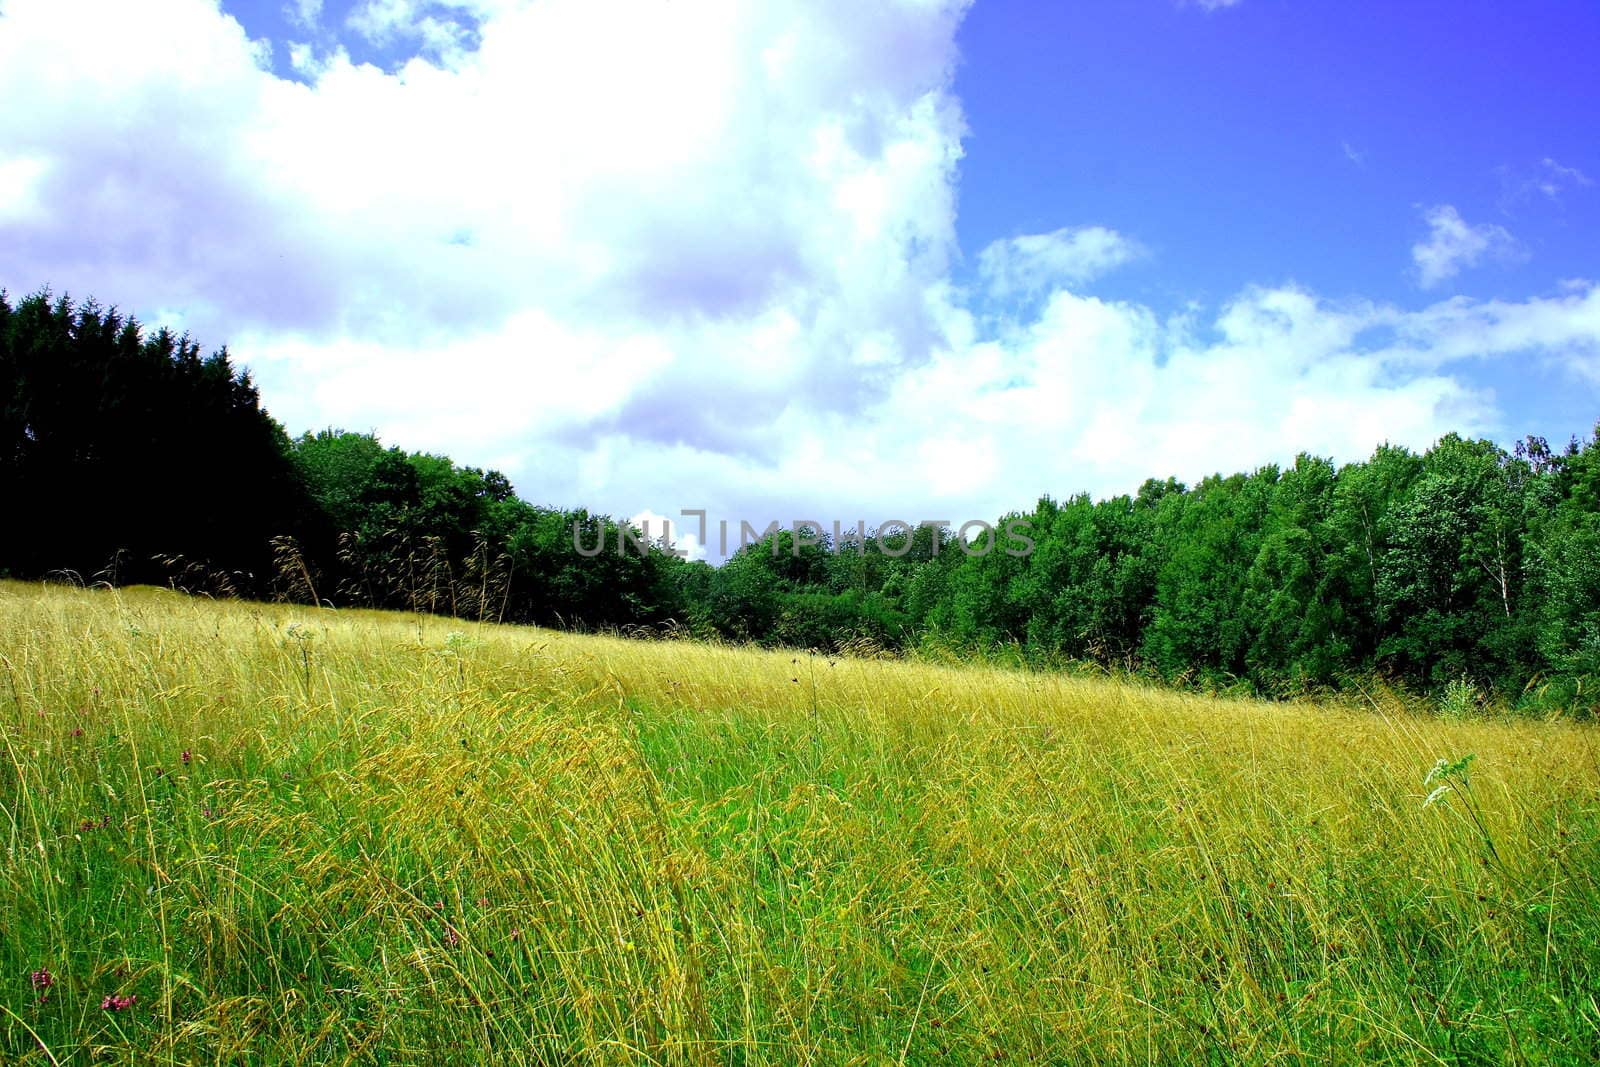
1550, 180
1023, 266
21, 179
305, 14
682, 535
439, 28
647, 255
1210, 5
1562, 329
1555, 178
1453, 244
1098, 395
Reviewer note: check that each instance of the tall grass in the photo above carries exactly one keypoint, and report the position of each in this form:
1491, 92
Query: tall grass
304, 836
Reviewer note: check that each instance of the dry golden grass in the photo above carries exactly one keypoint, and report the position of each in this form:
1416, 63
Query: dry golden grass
399, 840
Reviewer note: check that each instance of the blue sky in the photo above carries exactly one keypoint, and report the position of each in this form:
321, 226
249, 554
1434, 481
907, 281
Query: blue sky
1227, 136
818, 258
1272, 141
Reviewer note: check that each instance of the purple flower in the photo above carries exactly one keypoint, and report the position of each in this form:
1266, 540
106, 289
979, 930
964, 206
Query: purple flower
113, 1002
42, 979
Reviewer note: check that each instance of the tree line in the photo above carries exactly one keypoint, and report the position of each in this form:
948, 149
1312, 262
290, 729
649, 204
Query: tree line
127, 456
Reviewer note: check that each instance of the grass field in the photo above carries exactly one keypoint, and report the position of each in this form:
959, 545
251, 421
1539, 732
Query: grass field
242, 833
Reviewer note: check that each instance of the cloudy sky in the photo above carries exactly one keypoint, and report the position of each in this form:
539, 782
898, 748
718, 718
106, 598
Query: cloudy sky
833, 259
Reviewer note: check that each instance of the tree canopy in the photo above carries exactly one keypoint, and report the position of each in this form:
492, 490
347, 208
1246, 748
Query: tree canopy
128, 456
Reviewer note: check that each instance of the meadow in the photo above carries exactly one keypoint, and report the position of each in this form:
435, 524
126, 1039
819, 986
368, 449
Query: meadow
248, 833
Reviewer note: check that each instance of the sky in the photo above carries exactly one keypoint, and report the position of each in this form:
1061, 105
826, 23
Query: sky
829, 260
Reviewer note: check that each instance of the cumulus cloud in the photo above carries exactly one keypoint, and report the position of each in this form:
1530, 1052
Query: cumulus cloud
646, 256
1562, 329
1097, 395
675, 534
1033, 263
1453, 244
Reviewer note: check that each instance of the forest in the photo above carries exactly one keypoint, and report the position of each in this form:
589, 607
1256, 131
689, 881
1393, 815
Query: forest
1466, 572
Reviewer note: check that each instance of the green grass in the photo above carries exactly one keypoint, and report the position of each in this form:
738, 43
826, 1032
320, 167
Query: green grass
416, 841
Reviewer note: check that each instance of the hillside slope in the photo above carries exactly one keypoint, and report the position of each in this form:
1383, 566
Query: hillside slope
302, 835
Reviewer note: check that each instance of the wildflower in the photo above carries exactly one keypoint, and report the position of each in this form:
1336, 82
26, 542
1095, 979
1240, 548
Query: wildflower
113, 1002
186, 757
451, 938
77, 731
42, 979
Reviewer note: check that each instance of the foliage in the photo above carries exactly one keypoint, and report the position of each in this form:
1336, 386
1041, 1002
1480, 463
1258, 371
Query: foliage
135, 459
120, 450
